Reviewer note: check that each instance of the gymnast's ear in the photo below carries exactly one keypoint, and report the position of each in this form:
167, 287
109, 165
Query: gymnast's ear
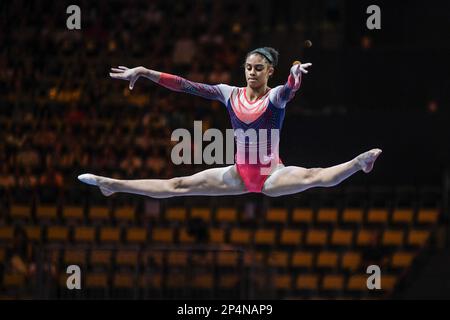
271, 71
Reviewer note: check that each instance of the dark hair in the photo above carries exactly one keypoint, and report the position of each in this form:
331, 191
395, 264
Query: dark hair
270, 54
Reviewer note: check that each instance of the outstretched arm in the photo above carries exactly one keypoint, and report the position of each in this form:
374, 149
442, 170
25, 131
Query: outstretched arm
283, 94
172, 82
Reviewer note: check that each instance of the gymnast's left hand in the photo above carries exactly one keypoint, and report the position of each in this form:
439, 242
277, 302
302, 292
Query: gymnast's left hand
124, 73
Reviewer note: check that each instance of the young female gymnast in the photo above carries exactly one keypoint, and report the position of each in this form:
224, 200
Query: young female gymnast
254, 107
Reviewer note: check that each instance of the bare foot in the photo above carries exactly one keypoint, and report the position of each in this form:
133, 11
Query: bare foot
102, 182
367, 159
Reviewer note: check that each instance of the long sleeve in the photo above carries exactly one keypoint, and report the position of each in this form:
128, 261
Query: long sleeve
220, 92
281, 95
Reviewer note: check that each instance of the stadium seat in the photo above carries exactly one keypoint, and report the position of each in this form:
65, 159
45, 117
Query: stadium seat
392, 238
136, 235
99, 213
365, 237
276, 216
283, 282
73, 213
353, 216
327, 259
402, 259
100, 257
427, 216
176, 214
203, 281
327, 216
84, 234
228, 215
124, 214
201, 213
185, 237
290, 237
96, 280
123, 280
333, 282
350, 260
403, 216
162, 235
417, 238
301, 259
110, 235
279, 259
307, 282
357, 282
217, 235
47, 212
264, 237
127, 258
13, 280
228, 281
227, 258
341, 237
316, 237
75, 256
20, 211
377, 216
177, 258
57, 234
34, 233
240, 236
302, 215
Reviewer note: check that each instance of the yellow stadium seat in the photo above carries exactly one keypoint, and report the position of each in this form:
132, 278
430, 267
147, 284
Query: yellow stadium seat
164, 235
278, 259
57, 234
327, 215
240, 236
226, 215
185, 237
75, 256
333, 282
403, 216
124, 214
227, 258
357, 282
110, 234
73, 212
402, 259
203, 281
302, 215
100, 257
341, 237
265, 237
100, 213
96, 280
283, 281
290, 237
428, 216
392, 238
365, 237
350, 260
34, 233
127, 258
123, 280
307, 282
176, 214
228, 281
216, 235
302, 259
353, 215
316, 237
84, 234
377, 215
18, 211
136, 235
201, 213
327, 259
177, 258
277, 215
418, 238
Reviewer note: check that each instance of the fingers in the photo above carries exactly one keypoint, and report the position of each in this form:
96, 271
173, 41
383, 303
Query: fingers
123, 68
132, 82
117, 70
116, 75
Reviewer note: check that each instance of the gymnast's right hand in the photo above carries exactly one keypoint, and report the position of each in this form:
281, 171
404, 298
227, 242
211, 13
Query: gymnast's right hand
125, 73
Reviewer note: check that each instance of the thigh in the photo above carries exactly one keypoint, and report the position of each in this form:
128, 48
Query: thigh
288, 180
215, 181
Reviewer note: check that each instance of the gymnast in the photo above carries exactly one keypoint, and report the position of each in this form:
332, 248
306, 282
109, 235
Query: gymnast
255, 106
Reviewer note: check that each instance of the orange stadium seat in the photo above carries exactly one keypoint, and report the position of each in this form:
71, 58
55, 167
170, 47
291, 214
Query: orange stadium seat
302, 215
283, 281
402, 259
57, 234
136, 235
75, 256
124, 214
290, 237
203, 281
228, 215
302, 259
277, 215
327, 215
418, 238
176, 214
333, 282
240, 236
73, 213
177, 258
353, 215
216, 235
377, 216
34, 233
100, 257
427, 216
185, 237
99, 213
228, 281
201, 213
47, 212
392, 238
110, 234
163, 235
127, 258
327, 259
84, 234
20, 211
278, 259
341, 237
123, 280
351, 260
403, 216
264, 237
307, 282
316, 237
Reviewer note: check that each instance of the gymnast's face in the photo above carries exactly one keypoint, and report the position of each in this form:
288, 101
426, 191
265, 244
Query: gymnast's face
257, 71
